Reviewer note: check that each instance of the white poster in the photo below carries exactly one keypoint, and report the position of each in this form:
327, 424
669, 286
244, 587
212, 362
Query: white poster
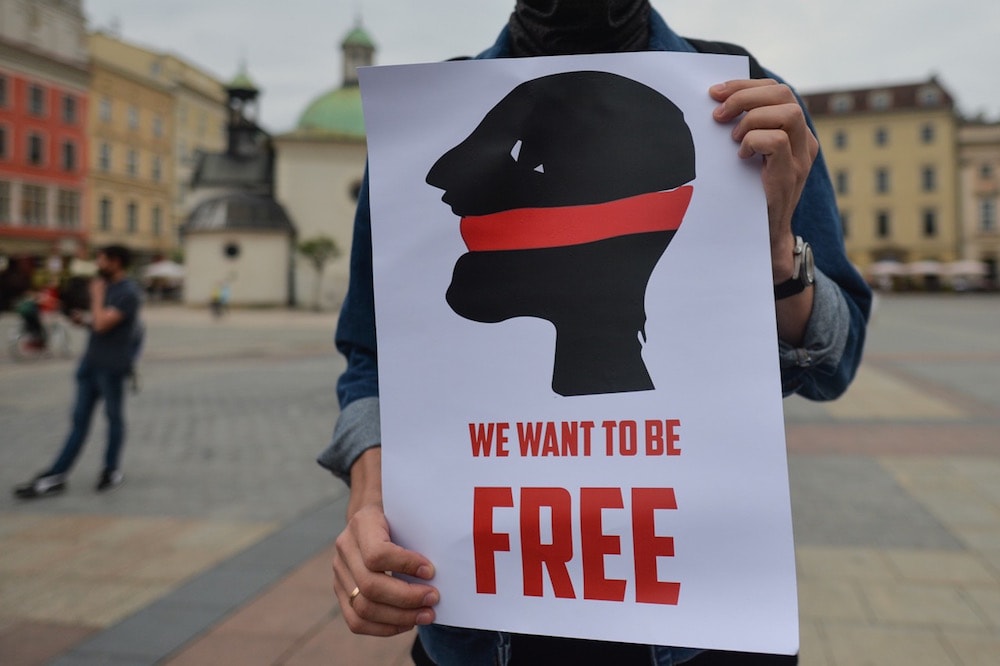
580, 399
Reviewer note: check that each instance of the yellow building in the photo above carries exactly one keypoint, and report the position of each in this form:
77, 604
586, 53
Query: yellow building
892, 154
150, 113
979, 156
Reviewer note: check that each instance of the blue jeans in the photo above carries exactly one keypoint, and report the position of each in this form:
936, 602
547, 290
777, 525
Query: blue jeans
94, 384
455, 646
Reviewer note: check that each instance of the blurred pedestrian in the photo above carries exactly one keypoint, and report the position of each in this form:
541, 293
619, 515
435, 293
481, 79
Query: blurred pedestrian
113, 320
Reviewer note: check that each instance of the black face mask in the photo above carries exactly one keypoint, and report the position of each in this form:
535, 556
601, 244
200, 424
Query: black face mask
564, 27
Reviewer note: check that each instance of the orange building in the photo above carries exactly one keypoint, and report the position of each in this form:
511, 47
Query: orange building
44, 81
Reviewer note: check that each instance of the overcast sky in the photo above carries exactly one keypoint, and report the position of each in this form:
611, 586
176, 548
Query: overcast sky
292, 46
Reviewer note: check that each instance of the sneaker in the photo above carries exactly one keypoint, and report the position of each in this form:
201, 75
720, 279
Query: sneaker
43, 485
110, 479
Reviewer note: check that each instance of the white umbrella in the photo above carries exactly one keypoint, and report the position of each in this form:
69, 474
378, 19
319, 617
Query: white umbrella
925, 268
167, 270
967, 268
886, 268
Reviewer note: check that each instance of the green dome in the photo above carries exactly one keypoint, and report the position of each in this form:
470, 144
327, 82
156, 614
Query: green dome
358, 37
242, 80
335, 112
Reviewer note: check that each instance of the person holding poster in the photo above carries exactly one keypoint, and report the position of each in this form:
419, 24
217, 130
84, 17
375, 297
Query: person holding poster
821, 309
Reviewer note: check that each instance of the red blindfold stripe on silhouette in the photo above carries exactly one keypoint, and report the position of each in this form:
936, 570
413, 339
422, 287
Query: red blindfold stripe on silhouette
535, 228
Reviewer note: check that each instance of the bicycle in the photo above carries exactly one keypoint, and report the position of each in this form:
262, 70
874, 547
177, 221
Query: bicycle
25, 346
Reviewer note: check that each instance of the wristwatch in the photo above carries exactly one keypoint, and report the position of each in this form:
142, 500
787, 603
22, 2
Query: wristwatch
803, 272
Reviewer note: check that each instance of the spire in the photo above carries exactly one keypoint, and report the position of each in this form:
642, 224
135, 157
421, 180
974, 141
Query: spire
358, 51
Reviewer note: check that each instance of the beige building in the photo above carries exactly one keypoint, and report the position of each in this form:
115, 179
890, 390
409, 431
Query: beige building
979, 157
320, 165
150, 114
892, 153
131, 168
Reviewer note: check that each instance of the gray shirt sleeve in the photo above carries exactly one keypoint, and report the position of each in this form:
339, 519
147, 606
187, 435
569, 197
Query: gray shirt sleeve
826, 332
358, 429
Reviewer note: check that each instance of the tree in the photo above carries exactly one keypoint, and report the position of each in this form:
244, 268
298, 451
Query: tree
319, 250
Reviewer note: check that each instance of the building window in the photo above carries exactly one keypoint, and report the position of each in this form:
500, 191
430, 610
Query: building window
840, 139
986, 171
68, 209
841, 103
929, 96
157, 168
105, 110
36, 149
132, 217
3, 91
882, 180
988, 214
927, 133
133, 118
928, 179
157, 127
69, 156
5, 202
132, 163
882, 224
881, 136
3, 142
845, 222
33, 205
157, 221
104, 157
880, 100
842, 182
930, 223
104, 215
69, 110
36, 100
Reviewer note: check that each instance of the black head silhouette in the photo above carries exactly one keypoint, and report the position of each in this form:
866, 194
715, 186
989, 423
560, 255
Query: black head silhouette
570, 190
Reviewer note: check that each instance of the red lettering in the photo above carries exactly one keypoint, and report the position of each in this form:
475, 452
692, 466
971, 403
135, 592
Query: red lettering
648, 588
628, 438
673, 437
595, 544
485, 541
554, 556
570, 437
609, 437
529, 436
550, 447
482, 436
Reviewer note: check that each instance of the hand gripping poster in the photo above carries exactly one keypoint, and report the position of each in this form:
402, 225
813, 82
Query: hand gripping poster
579, 389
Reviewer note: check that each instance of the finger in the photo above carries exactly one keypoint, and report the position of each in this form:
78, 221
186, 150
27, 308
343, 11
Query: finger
740, 99
772, 144
786, 117
375, 585
370, 530
363, 615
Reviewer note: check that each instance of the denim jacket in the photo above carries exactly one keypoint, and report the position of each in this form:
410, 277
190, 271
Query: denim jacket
820, 369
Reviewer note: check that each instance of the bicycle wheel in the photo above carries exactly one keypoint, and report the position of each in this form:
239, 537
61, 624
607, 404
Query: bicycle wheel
24, 347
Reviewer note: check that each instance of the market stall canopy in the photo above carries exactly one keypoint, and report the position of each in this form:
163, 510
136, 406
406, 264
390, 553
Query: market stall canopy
166, 270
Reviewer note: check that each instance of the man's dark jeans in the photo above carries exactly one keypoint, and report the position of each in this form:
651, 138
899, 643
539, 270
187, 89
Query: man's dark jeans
93, 385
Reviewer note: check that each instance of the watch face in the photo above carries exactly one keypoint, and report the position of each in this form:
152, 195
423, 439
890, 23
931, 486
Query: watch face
808, 264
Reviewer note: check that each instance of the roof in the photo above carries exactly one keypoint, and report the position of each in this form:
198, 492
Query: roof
242, 80
924, 95
358, 37
239, 211
337, 112
224, 169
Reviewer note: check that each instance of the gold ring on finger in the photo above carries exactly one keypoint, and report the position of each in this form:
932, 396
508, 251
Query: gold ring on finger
354, 595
